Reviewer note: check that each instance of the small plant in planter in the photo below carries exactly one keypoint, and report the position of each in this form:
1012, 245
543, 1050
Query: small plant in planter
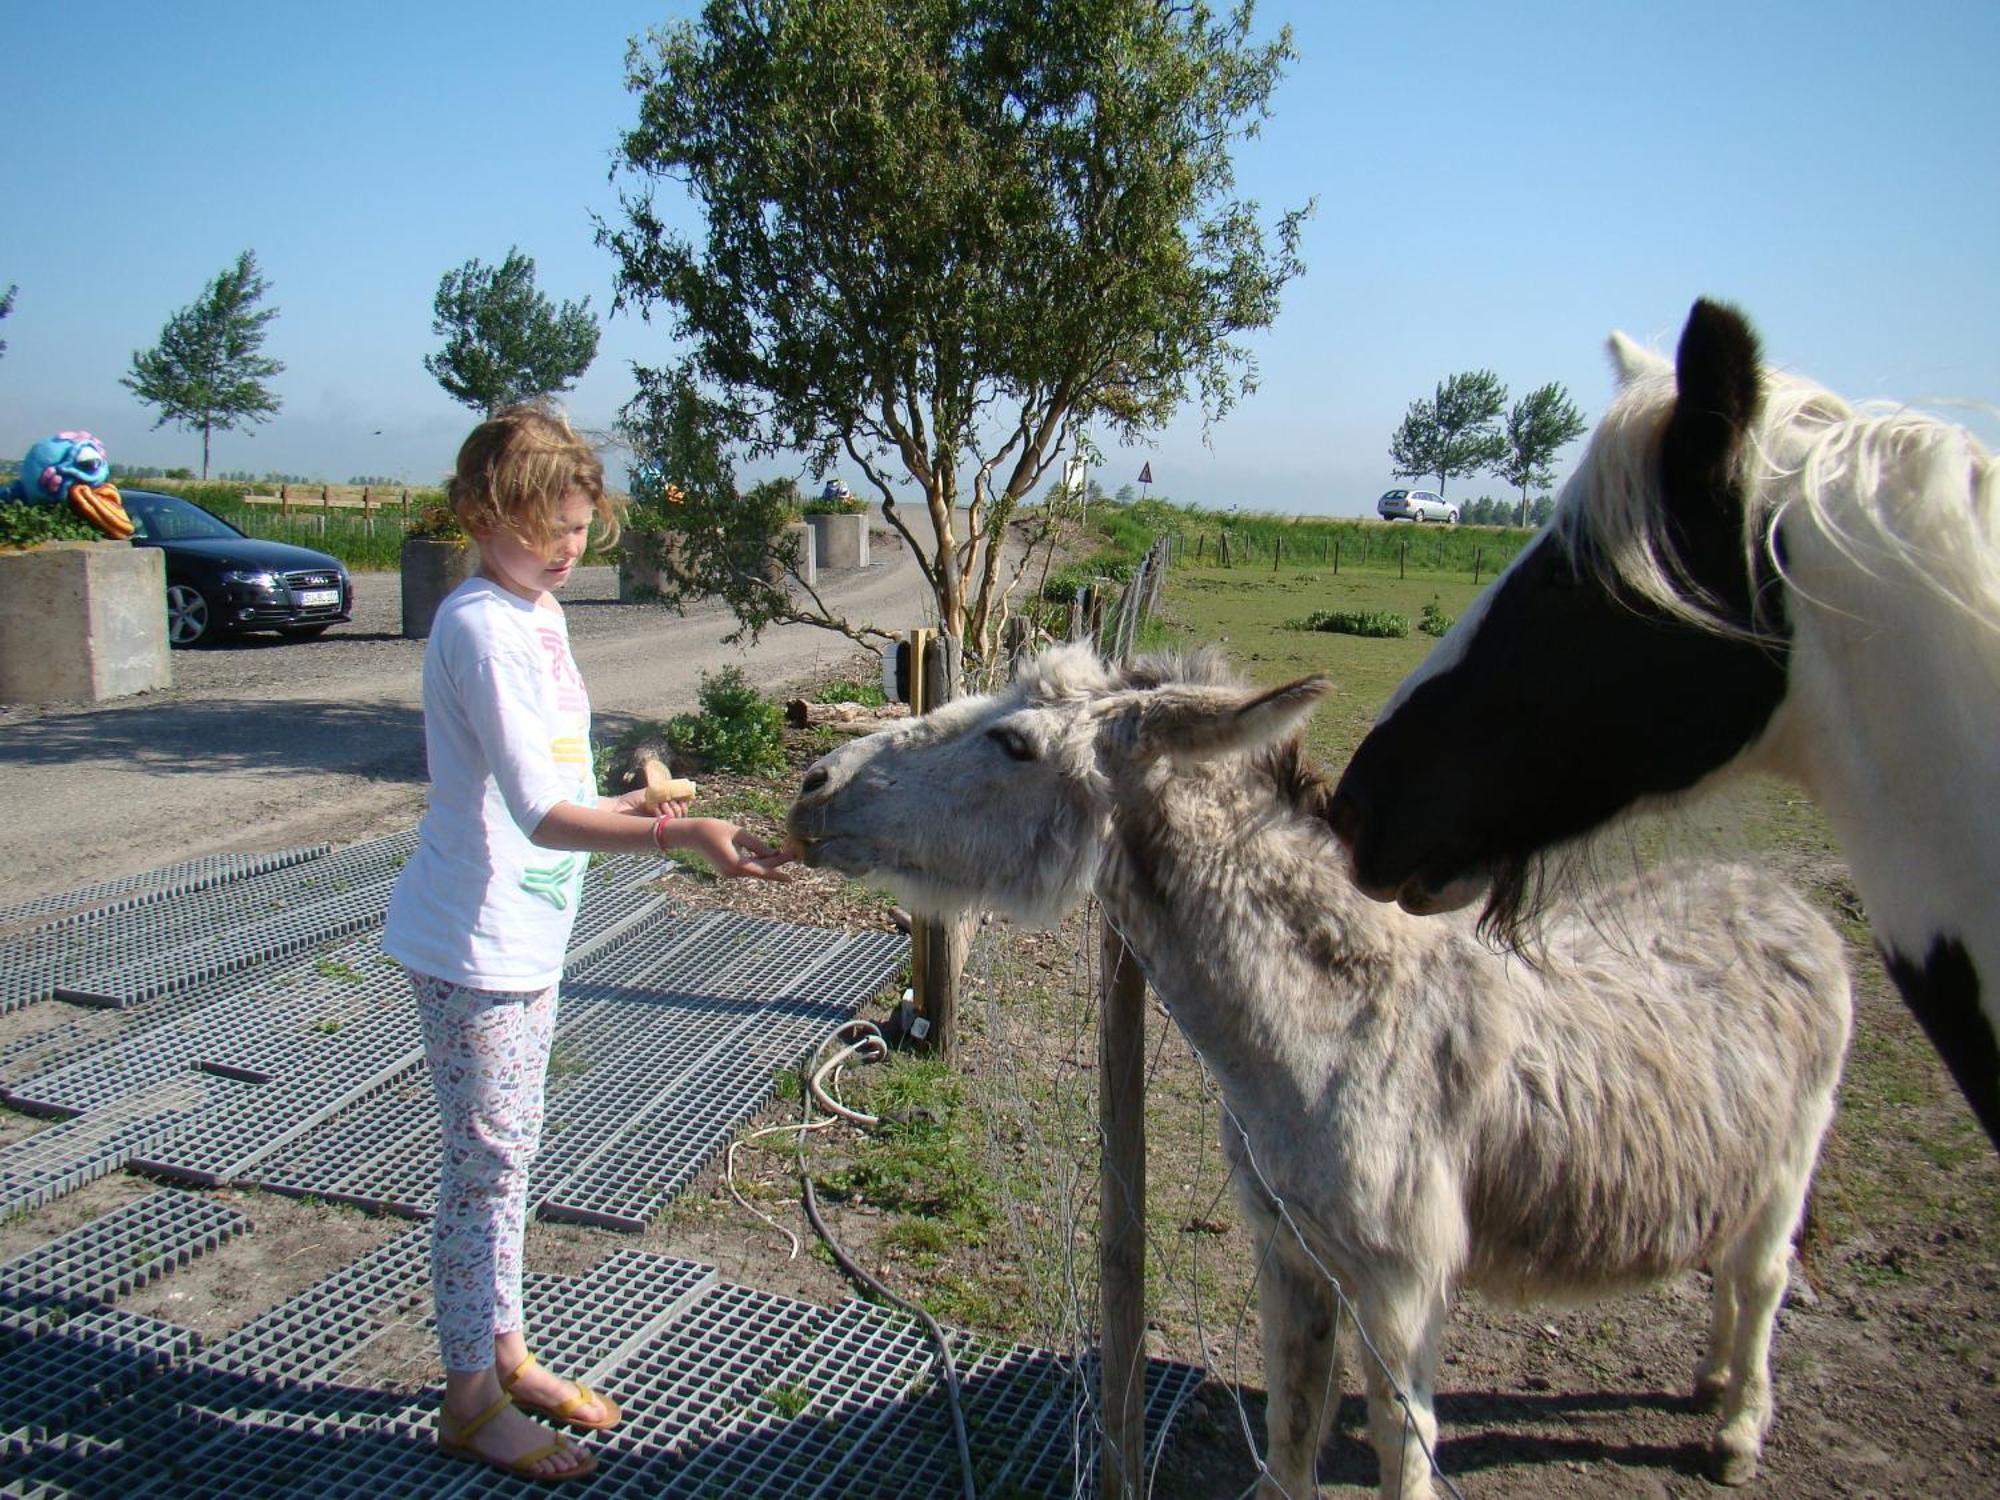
437, 523
23, 526
843, 503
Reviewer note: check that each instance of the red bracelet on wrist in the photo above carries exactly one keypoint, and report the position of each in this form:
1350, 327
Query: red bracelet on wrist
658, 823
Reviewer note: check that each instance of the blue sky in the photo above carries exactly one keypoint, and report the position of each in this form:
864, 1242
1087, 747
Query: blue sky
1497, 187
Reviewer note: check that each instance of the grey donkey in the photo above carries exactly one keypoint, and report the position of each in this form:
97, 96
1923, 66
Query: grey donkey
1408, 1112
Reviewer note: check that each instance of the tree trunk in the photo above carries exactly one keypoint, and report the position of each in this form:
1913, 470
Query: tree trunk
204, 452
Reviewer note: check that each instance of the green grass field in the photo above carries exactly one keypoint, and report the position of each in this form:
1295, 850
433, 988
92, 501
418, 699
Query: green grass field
1250, 613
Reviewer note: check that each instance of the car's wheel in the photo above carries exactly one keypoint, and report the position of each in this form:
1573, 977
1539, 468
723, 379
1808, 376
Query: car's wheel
303, 632
190, 617
1451, 518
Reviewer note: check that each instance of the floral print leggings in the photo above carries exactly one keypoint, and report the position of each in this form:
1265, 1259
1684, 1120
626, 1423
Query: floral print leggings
488, 1052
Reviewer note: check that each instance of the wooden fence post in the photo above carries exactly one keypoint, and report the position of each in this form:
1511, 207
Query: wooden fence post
1121, 1196
937, 946
1402, 560
1336, 557
1277, 553
1121, 1183
1475, 567
285, 501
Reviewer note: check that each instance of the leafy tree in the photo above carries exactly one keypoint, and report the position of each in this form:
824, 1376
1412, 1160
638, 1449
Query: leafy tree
206, 370
6, 306
941, 240
1454, 432
1541, 424
504, 340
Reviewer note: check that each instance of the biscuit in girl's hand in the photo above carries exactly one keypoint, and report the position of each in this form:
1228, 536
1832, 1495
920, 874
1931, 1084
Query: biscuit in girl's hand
662, 786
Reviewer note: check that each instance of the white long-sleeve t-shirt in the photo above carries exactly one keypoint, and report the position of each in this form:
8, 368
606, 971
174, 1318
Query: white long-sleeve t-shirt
507, 737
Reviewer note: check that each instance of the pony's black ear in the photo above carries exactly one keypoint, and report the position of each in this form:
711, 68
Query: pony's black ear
1720, 392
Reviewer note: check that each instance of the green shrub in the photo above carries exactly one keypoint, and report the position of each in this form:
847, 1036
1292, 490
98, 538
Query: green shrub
1371, 622
1433, 620
29, 525
736, 730
853, 692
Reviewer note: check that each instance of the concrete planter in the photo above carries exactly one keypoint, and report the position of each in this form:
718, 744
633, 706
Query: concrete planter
432, 568
841, 541
83, 621
644, 559
807, 541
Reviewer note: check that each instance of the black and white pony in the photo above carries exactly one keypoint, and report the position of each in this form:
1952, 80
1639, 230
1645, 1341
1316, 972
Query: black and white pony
1745, 572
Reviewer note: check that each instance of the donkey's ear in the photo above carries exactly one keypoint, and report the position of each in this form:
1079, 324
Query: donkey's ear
1631, 360
1719, 394
1196, 723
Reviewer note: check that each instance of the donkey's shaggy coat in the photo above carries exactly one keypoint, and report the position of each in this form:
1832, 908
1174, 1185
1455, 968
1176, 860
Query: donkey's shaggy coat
1407, 1111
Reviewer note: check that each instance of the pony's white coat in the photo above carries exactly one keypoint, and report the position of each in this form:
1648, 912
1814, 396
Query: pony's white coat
1885, 527
1407, 1110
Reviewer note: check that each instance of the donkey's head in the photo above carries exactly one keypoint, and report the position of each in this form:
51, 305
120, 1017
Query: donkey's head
1005, 801
1625, 654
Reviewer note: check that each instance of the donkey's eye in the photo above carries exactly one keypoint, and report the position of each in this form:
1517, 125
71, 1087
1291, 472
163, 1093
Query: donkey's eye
1013, 742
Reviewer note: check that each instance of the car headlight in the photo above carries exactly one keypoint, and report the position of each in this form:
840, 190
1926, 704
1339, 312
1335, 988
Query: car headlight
269, 582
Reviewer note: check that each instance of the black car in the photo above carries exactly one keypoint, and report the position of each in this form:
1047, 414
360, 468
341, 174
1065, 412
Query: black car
220, 581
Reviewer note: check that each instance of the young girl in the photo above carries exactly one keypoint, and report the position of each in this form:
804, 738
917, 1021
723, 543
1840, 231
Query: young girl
481, 915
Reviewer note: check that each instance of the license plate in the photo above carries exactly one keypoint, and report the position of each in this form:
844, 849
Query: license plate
311, 597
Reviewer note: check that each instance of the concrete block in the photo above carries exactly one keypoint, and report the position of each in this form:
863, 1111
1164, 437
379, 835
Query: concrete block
808, 544
842, 541
431, 568
83, 621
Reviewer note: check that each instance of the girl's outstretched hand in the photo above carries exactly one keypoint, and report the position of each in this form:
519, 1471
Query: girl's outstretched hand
729, 849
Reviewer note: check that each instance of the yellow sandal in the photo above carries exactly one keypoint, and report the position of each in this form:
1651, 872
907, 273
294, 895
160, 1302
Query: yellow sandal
454, 1439
563, 1411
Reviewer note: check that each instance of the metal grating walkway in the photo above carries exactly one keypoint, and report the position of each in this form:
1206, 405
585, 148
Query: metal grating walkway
149, 885
127, 953
262, 1037
727, 1390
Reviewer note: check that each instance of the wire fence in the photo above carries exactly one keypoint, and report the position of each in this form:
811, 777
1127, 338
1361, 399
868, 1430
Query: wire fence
1034, 1011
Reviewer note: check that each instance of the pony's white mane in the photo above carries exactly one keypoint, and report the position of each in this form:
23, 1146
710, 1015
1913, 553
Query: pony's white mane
1896, 491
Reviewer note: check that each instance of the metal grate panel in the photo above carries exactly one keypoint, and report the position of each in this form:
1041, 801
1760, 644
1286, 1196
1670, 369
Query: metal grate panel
295, 927
64, 1157
163, 884
119, 1252
252, 1026
304, 1338
94, 1356
846, 1383
105, 957
692, 1114
227, 1138
690, 1385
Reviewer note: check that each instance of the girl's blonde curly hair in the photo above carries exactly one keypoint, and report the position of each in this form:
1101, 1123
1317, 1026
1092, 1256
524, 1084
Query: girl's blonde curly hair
516, 466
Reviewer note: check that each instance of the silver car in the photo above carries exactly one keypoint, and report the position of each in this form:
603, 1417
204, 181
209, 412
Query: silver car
1416, 505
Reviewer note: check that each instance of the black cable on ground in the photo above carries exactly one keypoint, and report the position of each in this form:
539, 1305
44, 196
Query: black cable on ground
871, 1287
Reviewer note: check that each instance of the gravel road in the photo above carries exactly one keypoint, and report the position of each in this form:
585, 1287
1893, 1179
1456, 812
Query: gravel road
262, 743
